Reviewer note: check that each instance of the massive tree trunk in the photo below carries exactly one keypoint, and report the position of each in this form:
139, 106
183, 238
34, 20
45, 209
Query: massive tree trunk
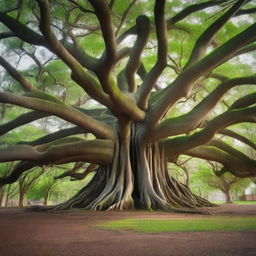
137, 178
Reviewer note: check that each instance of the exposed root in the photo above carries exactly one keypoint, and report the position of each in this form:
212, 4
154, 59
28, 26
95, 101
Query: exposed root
138, 177
110, 188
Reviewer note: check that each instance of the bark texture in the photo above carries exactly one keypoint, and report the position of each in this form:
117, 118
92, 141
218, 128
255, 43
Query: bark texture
137, 178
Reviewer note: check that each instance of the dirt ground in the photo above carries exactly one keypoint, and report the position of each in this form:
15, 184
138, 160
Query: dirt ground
24, 233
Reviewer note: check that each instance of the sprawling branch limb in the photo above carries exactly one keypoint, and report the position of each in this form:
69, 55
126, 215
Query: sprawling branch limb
186, 81
191, 9
245, 101
98, 114
227, 148
206, 37
238, 164
28, 35
20, 168
79, 74
78, 176
246, 11
55, 136
63, 111
95, 151
143, 28
22, 31
77, 166
27, 85
181, 15
194, 118
122, 53
239, 137
102, 12
246, 49
21, 120
8, 34
181, 144
155, 72
121, 103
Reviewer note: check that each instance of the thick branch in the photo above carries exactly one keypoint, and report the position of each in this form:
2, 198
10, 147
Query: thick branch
22, 31
245, 101
98, 114
240, 167
95, 151
186, 81
27, 85
246, 11
21, 120
16, 172
143, 28
112, 96
79, 74
194, 118
55, 136
4, 35
102, 12
181, 144
63, 111
237, 136
28, 35
205, 39
155, 72
227, 148
246, 49
191, 9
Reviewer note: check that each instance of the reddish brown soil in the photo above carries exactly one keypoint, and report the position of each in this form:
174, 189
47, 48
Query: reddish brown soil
24, 233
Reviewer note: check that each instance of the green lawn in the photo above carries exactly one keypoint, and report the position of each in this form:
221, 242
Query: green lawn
236, 202
174, 225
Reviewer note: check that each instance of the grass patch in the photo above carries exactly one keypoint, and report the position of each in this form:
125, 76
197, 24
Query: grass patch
245, 202
179, 225
236, 202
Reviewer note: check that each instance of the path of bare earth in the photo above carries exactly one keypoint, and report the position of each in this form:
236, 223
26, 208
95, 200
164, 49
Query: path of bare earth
24, 233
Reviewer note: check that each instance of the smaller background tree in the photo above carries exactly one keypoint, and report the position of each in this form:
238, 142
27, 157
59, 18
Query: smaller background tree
207, 179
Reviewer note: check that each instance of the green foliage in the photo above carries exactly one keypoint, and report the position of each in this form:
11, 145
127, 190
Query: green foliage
93, 44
